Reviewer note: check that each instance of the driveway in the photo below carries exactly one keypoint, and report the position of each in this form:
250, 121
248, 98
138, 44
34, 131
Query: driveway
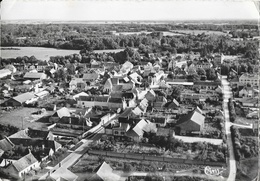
232, 162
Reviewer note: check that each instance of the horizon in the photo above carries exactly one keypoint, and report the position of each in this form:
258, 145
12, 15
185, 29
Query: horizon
88, 10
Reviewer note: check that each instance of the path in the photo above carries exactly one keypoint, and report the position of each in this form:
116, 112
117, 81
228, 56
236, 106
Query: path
250, 126
232, 162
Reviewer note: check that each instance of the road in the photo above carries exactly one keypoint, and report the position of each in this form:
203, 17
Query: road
232, 162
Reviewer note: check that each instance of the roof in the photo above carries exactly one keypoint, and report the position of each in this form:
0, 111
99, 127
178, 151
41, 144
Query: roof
199, 110
105, 172
126, 113
63, 174
6, 144
5, 71
79, 94
24, 97
138, 130
90, 76
33, 75
193, 116
251, 76
33, 133
115, 100
24, 162
36, 142
20, 134
63, 112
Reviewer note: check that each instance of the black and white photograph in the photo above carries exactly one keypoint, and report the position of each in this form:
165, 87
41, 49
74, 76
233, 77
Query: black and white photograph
129, 90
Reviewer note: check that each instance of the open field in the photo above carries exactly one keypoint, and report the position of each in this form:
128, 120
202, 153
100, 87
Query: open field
19, 118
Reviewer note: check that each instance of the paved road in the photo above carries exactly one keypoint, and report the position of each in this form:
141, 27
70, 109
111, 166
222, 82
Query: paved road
232, 162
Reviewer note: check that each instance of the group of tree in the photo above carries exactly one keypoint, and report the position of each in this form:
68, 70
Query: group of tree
7, 130
232, 111
243, 148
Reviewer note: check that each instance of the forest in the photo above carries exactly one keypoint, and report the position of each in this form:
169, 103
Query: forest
100, 37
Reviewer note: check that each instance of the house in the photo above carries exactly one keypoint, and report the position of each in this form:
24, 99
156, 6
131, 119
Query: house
75, 97
21, 99
192, 122
34, 76
159, 120
248, 92
125, 82
29, 142
62, 174
90, 77
33, 134
167, 132
94, 64
218, 59
22, 166
150, 95
117, 129
126, 67
104, 172
172, 105
4, 73
77, 83
90, 101
136, 78
63, 112
249, 102
249, 79
41, 66
208, 85
102, 101
136, 132
159, 102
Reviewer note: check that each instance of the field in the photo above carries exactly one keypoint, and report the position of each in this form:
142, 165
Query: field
196, 32
39, 52
16, 116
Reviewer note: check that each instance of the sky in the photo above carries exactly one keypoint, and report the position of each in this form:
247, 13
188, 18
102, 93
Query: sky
98, 10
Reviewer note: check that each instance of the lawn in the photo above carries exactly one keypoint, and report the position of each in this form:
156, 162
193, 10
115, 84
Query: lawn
16, 116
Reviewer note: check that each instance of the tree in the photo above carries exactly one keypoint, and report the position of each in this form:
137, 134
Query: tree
176, 92
211, 74
201, 71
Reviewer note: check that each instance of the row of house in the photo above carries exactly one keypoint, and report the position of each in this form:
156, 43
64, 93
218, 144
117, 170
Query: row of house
40, 145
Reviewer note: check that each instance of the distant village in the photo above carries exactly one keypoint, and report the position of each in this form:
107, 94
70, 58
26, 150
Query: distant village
165, 110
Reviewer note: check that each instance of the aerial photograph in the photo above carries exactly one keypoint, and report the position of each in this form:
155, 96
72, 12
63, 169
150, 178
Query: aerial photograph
129, 90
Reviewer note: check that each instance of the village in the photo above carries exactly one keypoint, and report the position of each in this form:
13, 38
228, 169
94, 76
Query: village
164, 113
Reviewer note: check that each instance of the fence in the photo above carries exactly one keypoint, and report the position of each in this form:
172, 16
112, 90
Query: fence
155, 158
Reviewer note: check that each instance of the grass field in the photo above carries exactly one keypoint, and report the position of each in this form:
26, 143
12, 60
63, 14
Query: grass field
20, 118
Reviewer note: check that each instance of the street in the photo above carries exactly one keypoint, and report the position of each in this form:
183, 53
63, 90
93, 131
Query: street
232, 162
